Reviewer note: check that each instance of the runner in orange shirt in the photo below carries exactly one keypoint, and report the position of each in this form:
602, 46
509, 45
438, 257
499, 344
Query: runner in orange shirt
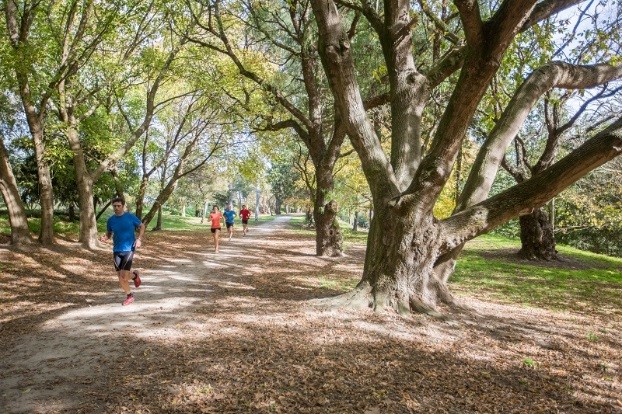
216, 220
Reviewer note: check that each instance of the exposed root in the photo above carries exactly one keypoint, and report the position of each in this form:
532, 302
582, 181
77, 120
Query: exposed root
418, 306
359, 298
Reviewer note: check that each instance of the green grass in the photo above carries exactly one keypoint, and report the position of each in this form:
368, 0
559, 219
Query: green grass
169, 223
488, 266
350, 237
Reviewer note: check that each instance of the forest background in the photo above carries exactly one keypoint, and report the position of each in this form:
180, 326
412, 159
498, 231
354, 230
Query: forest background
182, 105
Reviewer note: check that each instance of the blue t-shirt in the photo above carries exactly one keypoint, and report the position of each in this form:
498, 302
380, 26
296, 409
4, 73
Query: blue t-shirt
123, 230
229, 215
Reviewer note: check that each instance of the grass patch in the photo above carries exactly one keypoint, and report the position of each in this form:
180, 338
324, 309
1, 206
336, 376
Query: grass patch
337, 284
350, 238
170, 222
588, 281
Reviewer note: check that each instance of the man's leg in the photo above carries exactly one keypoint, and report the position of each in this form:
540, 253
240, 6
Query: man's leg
124, 277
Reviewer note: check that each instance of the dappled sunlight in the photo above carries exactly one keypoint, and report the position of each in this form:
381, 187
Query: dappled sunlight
234, 285
208, 332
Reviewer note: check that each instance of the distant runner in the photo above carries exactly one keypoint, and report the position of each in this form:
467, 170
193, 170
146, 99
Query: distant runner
245, 214
216, 219
229, 216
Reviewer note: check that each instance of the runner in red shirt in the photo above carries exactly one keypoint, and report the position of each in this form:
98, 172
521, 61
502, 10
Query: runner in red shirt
245, 214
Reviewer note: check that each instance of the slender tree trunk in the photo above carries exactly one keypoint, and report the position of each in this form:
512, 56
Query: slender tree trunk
20, 234
165, 194
257, 200
46, 194
84, 180
277, 206
537, 239
140, 199
35, 115
88, 220
158, 225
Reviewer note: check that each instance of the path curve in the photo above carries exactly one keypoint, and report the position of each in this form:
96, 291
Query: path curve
66, 356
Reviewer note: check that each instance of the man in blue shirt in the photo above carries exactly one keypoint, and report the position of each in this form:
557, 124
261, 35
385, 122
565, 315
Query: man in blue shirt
229, 215
122, 227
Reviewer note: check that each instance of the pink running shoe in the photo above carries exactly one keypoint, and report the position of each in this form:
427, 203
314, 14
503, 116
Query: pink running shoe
129, 299
136, 278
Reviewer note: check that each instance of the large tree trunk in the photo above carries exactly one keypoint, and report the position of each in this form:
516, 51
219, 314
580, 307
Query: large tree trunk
537, 238
20, 234
277, 206
399, 264
328, 240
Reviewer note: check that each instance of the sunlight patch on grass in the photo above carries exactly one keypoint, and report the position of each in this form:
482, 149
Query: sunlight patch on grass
590, 281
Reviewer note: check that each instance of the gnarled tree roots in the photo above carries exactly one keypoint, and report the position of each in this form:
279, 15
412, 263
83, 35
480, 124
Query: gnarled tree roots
362, 297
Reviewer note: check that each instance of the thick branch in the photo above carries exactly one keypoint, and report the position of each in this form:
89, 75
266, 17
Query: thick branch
471, 22
334, 49
560, 75
524, 197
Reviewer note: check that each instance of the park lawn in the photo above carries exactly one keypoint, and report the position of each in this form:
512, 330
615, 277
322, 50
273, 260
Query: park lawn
489, 268
584, 281
170, 222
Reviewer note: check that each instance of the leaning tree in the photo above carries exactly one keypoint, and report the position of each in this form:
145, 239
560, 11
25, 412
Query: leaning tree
410, 252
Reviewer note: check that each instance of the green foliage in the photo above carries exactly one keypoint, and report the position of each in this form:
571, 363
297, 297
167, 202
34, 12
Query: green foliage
530, 362
282, 178
592, 220
592, 337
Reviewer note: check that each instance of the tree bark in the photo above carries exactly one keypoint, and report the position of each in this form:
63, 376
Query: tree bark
536, 235
327, 233
140, 198
18, 25
84, 181
46, 194
20, 234
329, 240
406, 241
399, 266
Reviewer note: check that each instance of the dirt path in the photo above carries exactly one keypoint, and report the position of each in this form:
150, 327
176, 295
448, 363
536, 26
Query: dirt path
233, 333
62, 364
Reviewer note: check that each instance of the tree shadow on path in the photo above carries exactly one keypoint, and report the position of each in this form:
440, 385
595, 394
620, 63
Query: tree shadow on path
232, 333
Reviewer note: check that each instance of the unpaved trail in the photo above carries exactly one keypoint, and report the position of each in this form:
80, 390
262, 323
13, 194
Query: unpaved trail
234, 332
62, 365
